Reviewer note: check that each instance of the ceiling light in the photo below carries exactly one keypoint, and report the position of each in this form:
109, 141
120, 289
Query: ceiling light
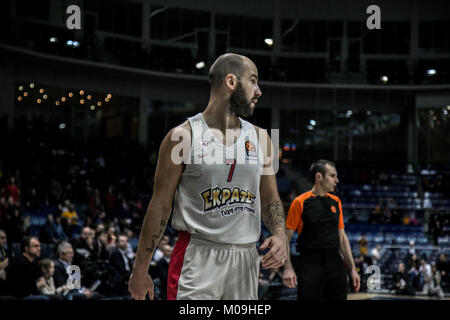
268, 41
200, 65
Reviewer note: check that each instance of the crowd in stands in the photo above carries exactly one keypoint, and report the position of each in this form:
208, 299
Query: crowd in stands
75, 203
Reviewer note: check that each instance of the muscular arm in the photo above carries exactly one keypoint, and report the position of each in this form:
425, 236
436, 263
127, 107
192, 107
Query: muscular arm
272, 207
272, 213
167, 176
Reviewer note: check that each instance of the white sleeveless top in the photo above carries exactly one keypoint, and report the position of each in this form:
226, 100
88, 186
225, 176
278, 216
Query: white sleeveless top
217, 198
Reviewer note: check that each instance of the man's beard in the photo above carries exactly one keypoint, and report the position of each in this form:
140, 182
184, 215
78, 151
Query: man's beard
239, 105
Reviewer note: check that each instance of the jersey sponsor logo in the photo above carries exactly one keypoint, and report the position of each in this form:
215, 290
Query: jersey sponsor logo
250, 149
333, 209
214, 198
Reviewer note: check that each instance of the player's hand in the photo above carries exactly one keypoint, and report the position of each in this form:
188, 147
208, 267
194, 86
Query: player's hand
355, 280
277, 254
139, 286
289, 277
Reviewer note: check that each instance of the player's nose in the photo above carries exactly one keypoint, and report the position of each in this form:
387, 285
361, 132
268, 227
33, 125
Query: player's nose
258, 92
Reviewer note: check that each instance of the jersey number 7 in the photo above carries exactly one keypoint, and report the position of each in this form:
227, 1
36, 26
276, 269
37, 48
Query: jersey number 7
233, 165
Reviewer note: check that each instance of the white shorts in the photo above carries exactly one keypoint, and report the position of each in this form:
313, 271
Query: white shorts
203, 270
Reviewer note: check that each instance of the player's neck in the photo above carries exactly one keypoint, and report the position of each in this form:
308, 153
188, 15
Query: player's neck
218, 116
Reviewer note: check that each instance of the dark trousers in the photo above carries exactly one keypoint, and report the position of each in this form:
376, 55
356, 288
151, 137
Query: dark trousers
321, 275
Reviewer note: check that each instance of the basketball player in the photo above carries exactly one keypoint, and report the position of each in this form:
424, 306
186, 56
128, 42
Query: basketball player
220, 190
316, 215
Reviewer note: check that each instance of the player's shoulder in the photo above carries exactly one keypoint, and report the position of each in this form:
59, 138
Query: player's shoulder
334, 197
183, 131
184, 127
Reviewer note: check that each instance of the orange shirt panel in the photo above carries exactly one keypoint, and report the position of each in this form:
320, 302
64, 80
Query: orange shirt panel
294, 219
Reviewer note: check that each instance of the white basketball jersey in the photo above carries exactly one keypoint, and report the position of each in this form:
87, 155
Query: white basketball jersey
217, 198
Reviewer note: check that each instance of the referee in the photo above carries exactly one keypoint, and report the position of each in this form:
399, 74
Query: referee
317, 217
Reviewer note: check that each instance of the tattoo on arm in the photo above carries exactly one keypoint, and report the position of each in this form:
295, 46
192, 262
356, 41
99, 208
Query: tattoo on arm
273, 215
155, 238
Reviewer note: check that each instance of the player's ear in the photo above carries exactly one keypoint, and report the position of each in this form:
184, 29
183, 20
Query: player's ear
231, 81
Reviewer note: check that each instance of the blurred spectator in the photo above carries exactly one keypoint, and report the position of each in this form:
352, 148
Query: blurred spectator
4, 262
23, 272
163, 268
55, 191
413, 220
412, 248
122, 265
437, 231
26, 224
87, 256
406, 220
13, 226
110, 201
443, 266
413, 272
33, 202
50, 232
401, 281
432, 285
424, 271
158, 251
361, 267
47, 288
376, 215
102, 241
70, 214
59, 235
95, 203
111, 237
65, 255
11, 190
375, 254
363, 243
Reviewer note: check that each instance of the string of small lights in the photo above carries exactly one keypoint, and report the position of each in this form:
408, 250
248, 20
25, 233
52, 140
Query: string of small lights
40, 95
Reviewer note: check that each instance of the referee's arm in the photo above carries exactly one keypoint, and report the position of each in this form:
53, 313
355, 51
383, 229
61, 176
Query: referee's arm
348, 258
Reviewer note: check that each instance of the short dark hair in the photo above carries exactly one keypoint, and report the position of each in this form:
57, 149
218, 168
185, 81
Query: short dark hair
225, 64
319, 166
26, 242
